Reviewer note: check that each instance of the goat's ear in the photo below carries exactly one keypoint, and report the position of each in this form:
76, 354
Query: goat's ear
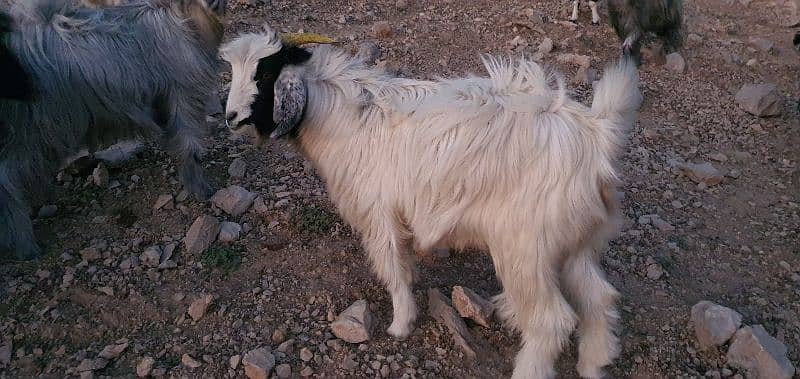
290, 102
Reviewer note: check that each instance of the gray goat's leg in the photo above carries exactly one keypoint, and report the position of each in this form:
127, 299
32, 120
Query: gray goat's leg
17, 240
184, 139
575, 4
595, 15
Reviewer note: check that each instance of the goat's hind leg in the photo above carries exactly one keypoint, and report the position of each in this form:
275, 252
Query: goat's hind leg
595, 14
17, 240
575, 5
183, 136
390, 255
532, 304
594, 299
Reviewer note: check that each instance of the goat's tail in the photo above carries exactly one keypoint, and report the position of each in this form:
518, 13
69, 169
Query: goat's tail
617, 100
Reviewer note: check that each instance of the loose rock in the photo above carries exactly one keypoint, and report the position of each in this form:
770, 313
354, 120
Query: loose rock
151, 257
675, 62
229, 231
704, 173
47, 211
201, 234
238, 168
761, 100
144, 367
198, 308
382, 29
762, 355
283, 371
470, 305
163, 201
440, 310
234, 361
258, 363
100, 176
112, 351
234, 200
354, 325
714, 324
578, 60
190, 362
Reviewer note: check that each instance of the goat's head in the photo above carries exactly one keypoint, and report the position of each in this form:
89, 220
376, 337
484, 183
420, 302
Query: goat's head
267, 90
17, 84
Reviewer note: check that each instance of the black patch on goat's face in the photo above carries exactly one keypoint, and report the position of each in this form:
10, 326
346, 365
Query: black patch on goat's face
17, 83
267, 73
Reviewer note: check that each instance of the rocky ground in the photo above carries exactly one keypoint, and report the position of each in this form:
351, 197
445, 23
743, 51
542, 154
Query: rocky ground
710, 196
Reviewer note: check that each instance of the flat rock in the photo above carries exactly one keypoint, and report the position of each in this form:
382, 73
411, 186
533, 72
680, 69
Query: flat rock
258, 363
283, 371
144, 367
675, 63
578, 60
440, 309
234, 200
201, 234
229, 231
704, 173
761, 100
234, 361
113, 351
470, 305
238, 168
354, 325
763, 356
190, 362
198, 307
163, 202
714, 324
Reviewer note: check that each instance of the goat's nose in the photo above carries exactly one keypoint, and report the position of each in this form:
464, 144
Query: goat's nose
231, 116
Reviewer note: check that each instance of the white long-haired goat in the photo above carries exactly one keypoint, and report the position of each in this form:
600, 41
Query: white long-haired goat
504, 163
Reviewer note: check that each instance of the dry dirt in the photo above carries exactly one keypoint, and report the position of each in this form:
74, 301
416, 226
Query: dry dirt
300, 265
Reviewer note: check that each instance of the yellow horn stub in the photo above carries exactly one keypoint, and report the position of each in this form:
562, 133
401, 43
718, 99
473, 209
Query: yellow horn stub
297, 39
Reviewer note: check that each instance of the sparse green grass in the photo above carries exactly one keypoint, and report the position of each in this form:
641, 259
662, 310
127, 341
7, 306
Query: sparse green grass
224, 258
313, 219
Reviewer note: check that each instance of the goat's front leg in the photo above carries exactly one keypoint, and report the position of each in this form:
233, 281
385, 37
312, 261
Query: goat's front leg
391, 260
595, 15
575, 4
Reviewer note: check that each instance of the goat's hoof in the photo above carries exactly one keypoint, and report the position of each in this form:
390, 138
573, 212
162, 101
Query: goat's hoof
592, 372
574, 22
596, 23
398, 331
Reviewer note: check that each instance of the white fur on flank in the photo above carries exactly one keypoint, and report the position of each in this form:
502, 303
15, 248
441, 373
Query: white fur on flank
243, 54
507, 163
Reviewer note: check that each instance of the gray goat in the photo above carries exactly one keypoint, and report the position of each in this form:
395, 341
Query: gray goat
138, 70
632, 19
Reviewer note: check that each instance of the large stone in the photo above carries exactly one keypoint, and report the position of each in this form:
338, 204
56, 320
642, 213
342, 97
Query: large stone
714, 324
470, 305
198, 307
440, 309
763, 356
234, 200
258, 363
355, 324
229, 231
190, 362
201, 234
675, 62
761, 100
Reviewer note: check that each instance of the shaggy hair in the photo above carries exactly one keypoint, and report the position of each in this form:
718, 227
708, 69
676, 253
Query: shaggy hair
592, 6
16, 81
632, 19
507, 163
138, 70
